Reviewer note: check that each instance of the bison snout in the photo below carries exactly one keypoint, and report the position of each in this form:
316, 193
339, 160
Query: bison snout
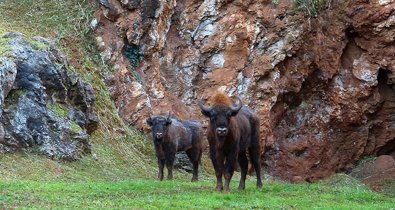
222, 131
159, 135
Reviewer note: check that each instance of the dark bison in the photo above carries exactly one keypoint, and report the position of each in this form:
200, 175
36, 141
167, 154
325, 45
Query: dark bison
232, 131
172, 135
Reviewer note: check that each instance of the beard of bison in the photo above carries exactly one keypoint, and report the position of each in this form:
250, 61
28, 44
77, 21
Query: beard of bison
232, 130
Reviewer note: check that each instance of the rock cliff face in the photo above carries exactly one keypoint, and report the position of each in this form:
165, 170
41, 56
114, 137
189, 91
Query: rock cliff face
43, 108
323, 86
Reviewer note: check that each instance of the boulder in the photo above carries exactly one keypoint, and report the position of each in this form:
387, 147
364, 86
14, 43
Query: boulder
43, 107
378, 173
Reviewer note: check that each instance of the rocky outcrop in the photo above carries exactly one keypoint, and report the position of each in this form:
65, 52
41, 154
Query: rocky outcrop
323, 86
43, 108
378, 173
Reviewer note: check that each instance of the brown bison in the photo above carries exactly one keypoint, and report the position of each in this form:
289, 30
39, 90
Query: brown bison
232, 131
172, 135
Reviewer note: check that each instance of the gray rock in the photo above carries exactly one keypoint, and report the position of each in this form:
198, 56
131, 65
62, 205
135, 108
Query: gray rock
44, 108
182, 161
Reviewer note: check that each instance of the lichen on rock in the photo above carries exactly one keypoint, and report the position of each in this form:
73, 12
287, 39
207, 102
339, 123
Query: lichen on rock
44, 108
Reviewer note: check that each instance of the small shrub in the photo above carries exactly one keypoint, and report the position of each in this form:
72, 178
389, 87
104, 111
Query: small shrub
311, 7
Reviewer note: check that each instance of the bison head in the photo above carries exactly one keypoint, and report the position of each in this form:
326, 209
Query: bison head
159, 125
220, 115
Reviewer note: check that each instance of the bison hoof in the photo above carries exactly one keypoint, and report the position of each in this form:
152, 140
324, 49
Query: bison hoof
259, 185
194, 179
219, 188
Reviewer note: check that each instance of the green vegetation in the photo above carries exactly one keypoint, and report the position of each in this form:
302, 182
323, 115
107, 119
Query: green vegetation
60, 110
5, 48
38, 45
14, 95
133, 53
311, 7
75, 128
182, 194
388, 187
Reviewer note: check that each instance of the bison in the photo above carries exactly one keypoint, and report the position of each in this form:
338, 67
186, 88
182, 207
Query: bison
232, 131
172, 135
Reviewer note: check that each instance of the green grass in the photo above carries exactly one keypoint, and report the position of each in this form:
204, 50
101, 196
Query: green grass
120, 173
5, 48
182, 194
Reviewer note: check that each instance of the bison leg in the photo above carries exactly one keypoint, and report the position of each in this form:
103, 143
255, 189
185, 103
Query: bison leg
229, 169
255, 159
195, 171
161, 164
194, 157
169, 166
243, 162
218, 162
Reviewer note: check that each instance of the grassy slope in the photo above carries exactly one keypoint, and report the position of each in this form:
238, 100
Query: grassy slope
118, 148
123, 176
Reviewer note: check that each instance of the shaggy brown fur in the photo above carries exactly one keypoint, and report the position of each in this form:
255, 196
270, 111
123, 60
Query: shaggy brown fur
232, 131
172, 135
220, 99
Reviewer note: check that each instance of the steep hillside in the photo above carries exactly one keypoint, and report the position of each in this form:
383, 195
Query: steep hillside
116, 152
321, 83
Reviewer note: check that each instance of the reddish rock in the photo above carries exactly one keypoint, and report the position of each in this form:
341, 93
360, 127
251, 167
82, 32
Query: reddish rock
377, 172
297, 179
323, 86
380, 165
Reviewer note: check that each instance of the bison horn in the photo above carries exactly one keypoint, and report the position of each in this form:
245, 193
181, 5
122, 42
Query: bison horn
168, 115
168, 119
149, 115
205, 109
149, 119
235, 108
